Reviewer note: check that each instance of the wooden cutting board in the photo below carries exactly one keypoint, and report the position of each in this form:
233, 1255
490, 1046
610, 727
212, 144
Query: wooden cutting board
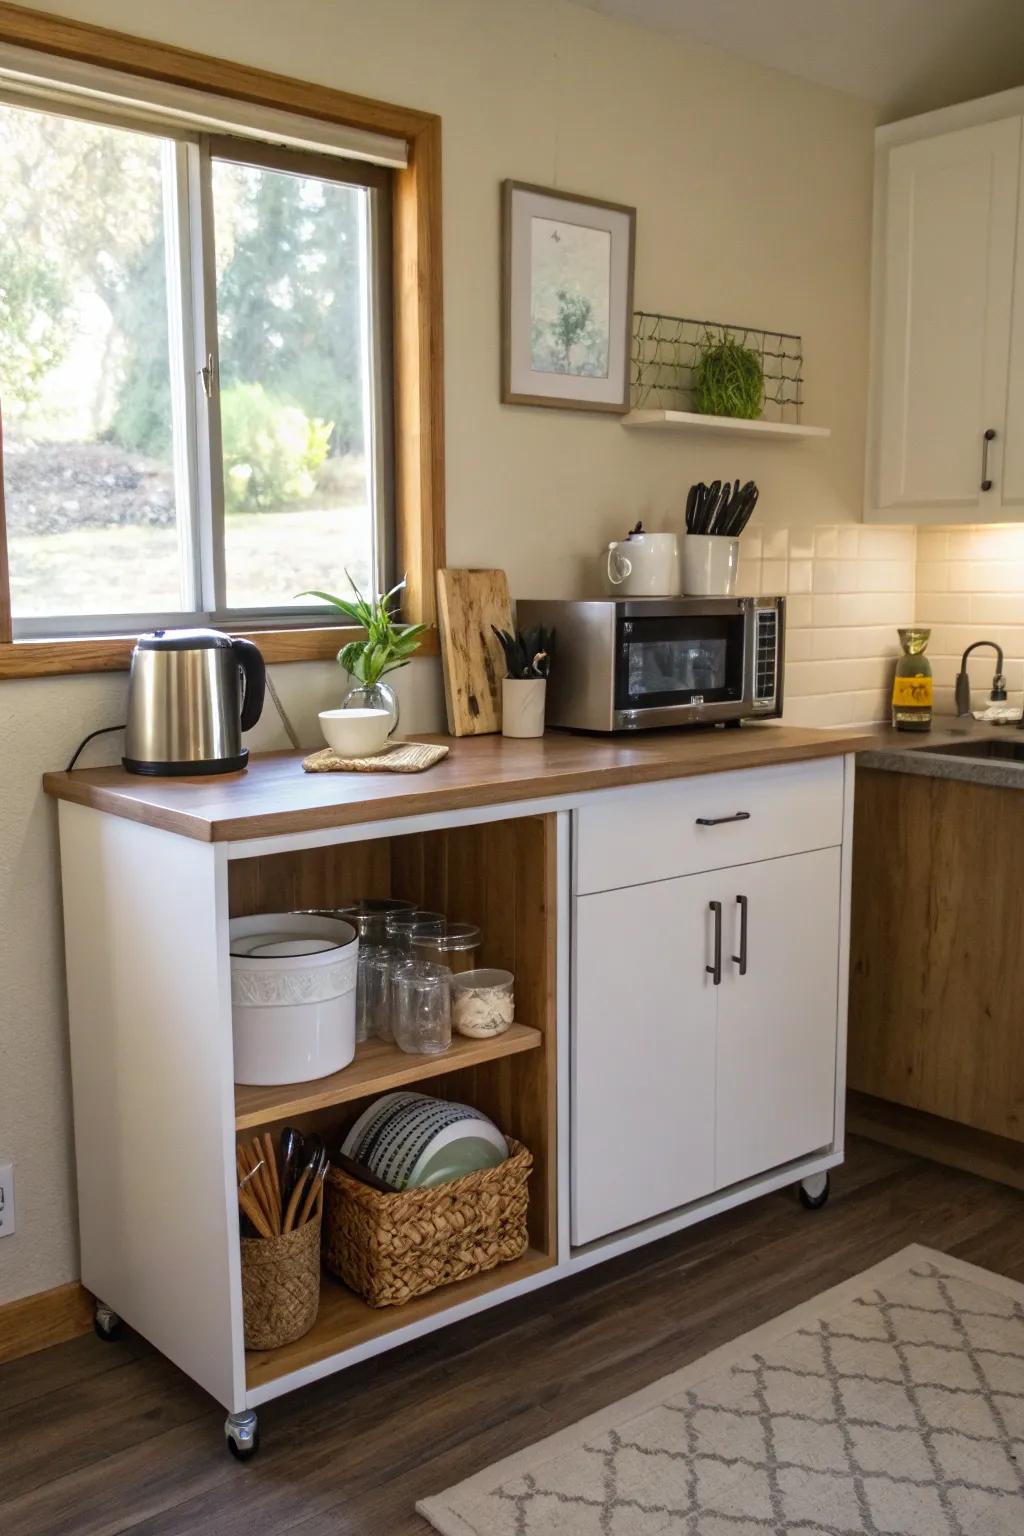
468, 603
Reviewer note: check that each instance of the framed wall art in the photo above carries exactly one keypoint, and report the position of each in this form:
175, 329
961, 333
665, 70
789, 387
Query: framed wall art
567, 299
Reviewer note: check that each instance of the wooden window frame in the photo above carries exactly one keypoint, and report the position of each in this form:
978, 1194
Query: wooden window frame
418, 328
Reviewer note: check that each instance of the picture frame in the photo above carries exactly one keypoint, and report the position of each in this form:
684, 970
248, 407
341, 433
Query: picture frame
567, 299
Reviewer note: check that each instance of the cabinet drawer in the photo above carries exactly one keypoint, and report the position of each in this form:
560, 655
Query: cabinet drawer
655, 832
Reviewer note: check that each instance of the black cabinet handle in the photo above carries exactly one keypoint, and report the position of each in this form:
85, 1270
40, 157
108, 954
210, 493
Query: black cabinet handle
741, 958
715, 971
717, 821
986, 483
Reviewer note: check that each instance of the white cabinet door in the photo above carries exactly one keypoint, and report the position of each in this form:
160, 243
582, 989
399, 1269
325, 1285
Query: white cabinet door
643, 1054
1011, 484
946, 274
777, 1023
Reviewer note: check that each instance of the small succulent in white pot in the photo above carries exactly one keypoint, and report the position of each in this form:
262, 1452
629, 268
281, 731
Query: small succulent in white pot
528, 656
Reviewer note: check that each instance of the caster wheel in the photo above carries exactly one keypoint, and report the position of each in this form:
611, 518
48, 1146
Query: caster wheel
107, 1324
243, 1435
814, 1191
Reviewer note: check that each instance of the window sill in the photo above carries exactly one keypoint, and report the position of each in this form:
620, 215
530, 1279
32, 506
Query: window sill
112, 653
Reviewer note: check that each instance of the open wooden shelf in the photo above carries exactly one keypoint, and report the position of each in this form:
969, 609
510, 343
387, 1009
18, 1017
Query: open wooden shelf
378, 1068
346, 1321
694, 421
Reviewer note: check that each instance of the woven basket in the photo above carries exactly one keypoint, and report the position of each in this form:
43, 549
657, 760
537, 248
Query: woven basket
390, 1248
281, 1285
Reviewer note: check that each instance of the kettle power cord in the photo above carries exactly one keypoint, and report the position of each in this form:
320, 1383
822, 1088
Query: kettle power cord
104, 730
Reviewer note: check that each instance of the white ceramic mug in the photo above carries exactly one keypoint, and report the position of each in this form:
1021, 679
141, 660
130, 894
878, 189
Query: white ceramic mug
709, 565
644, 565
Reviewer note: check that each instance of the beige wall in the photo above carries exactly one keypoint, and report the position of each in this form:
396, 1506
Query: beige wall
753, 196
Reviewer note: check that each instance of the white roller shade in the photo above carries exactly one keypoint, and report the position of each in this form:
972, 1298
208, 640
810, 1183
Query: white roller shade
154, 104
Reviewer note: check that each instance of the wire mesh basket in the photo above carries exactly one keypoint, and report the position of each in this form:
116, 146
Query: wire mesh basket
666, 348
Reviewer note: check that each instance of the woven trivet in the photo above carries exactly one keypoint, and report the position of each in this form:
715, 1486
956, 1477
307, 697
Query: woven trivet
397, 757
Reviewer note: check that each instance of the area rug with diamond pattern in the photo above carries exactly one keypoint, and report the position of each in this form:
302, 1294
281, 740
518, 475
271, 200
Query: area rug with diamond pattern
893, 1403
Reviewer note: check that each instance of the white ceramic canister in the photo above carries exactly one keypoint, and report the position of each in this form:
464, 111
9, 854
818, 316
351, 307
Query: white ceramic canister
709, 565
522, 706
293, 996
643, 565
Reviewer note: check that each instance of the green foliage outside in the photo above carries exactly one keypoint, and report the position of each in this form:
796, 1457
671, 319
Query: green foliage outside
271, 451
82, 212
33, 333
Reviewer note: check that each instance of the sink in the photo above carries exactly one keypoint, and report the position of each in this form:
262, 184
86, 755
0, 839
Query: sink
988, 749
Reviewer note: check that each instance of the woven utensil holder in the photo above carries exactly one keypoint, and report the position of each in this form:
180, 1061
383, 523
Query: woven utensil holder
281, 1285
390, 1248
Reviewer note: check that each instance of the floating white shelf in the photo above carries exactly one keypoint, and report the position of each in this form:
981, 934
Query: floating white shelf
693, 421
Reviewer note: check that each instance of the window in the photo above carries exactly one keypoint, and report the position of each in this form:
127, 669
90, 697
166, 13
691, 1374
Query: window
195, 375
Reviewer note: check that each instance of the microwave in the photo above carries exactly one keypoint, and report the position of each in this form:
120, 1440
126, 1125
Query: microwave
628, 664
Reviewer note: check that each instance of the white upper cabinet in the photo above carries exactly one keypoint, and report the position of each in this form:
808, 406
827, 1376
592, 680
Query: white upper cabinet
946, 212
1012, 484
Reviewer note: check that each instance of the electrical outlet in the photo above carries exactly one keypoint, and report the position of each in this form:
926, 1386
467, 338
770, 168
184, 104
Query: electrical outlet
6, 1199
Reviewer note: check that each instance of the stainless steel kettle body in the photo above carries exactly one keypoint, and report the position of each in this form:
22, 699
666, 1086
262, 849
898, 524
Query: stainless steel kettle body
191, 694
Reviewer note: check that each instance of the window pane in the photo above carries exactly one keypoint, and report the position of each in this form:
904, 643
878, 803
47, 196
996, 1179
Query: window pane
85, 378
292, 307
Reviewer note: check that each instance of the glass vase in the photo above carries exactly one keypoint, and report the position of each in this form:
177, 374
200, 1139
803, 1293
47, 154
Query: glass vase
373, 696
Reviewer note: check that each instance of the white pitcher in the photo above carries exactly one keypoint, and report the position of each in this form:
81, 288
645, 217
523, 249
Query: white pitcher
644, 565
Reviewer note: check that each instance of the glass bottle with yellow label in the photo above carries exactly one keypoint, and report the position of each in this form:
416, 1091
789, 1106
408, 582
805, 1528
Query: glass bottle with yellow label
912, 686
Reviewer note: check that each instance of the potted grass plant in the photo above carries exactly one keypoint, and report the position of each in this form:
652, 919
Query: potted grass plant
388, 646
528, 655
728, 379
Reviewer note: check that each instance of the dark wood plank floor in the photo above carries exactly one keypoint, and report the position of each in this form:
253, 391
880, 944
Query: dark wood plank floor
102, 1438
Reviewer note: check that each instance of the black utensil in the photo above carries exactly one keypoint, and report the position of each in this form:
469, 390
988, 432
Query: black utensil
691, 502
749, 503
720, 516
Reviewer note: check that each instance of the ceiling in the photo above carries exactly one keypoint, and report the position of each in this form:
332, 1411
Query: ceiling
905, 56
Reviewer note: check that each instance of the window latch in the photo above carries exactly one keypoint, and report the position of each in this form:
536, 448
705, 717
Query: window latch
206, 374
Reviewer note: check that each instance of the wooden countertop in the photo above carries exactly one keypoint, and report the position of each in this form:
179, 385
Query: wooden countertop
273, 795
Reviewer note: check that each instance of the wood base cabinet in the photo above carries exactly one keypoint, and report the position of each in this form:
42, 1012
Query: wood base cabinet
937, 961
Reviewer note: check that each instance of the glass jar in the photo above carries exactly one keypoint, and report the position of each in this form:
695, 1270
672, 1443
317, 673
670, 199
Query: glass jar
368, 916
421, 1008
456, 946
400, 927
912, 686
373, 1004
483, 1003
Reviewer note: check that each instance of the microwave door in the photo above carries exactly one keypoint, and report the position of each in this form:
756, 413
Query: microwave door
677, 662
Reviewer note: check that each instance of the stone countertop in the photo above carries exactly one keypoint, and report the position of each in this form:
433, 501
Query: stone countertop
900, 752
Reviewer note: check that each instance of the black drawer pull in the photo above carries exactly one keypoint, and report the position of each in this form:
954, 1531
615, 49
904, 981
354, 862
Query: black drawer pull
717, 821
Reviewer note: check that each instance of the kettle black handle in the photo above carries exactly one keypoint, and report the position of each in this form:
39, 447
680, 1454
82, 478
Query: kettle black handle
254, 672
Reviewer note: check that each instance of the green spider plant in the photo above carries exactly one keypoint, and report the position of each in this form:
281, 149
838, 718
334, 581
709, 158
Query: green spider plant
388, 645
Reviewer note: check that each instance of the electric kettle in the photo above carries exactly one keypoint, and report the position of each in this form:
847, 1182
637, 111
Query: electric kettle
191, 694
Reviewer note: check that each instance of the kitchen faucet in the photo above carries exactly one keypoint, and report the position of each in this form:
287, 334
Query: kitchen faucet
962, 691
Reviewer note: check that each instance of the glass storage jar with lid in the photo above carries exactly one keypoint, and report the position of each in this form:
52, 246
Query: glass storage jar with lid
456, 946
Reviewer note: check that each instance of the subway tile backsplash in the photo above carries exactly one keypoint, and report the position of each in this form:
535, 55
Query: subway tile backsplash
849, 588
970, 586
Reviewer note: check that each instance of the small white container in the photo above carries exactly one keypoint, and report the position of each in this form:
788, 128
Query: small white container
710, 563
293, 996
356, 732
483, 1003
522, 706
